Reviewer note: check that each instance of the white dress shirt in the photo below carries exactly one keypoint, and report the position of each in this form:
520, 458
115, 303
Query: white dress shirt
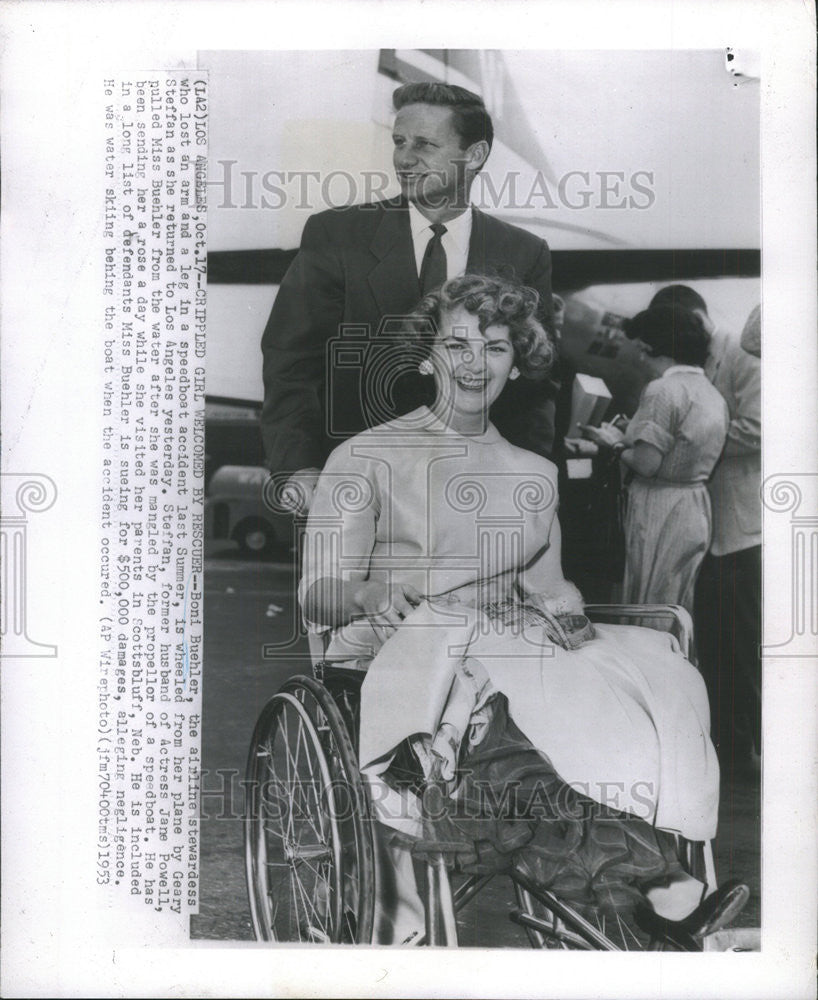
455, 240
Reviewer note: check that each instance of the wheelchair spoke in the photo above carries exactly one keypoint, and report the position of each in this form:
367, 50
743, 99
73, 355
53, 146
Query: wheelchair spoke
551, 923
307, 840
288, 769
307, 903
303, 788
305, 848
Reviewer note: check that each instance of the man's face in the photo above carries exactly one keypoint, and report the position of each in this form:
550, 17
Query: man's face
428, 159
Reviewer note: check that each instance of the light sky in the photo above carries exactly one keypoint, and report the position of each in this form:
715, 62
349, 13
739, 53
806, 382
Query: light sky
679, 116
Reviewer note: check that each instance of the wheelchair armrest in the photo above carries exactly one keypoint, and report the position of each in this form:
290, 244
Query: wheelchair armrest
671, 618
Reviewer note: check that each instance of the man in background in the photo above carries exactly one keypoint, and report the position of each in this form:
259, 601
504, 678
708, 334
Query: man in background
361, 267
729, 591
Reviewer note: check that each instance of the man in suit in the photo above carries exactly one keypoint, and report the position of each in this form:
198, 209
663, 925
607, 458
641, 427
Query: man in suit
360, 268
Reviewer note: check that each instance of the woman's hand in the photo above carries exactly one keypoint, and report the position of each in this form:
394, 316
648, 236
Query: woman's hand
386, 606
606, 435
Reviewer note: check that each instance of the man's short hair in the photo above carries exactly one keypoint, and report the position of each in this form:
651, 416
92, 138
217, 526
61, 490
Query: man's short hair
472, 121
679, 295
671, 332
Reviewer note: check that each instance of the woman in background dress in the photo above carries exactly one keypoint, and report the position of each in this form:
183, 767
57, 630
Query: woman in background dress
671, 447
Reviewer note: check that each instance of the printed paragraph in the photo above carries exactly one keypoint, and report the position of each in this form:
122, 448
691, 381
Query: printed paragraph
152, 489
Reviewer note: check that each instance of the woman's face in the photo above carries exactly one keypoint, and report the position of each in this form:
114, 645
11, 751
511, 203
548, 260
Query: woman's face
471, 368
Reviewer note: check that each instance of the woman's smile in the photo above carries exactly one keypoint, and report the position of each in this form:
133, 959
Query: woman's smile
471, 369
471, 383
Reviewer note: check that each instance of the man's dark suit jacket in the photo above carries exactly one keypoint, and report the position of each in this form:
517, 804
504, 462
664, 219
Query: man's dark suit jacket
356, 267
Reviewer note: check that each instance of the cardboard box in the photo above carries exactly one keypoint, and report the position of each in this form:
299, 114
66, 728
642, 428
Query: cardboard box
579, 468
590, 398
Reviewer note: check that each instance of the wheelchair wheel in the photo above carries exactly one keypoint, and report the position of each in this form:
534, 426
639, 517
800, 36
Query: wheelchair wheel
308, 836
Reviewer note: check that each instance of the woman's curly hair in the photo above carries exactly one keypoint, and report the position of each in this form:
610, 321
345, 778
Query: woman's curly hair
496, 302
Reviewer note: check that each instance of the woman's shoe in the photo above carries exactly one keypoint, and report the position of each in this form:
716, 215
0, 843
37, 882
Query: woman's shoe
717, 911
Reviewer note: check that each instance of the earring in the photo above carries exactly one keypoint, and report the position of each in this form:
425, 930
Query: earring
514, 373
425, 367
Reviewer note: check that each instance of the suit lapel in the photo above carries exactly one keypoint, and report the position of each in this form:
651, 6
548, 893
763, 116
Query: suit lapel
494, 250
393, 281
476, 262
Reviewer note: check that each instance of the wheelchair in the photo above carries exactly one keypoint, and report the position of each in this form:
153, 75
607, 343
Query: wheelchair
309, 829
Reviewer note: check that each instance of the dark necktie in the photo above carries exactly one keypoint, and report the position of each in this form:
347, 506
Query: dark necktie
433, 267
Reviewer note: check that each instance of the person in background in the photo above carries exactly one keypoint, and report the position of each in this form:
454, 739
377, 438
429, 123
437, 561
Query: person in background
728, 596
689, 298
359, 264
671, 446
728, 593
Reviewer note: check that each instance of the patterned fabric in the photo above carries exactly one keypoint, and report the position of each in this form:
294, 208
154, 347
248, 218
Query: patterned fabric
567, 631
512, 810
683, 416
668, 518
667, 532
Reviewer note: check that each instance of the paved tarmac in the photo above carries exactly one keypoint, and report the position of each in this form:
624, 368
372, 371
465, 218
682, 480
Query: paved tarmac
251, 603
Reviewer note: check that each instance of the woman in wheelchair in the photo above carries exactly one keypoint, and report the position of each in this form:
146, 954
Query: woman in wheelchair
432, 561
